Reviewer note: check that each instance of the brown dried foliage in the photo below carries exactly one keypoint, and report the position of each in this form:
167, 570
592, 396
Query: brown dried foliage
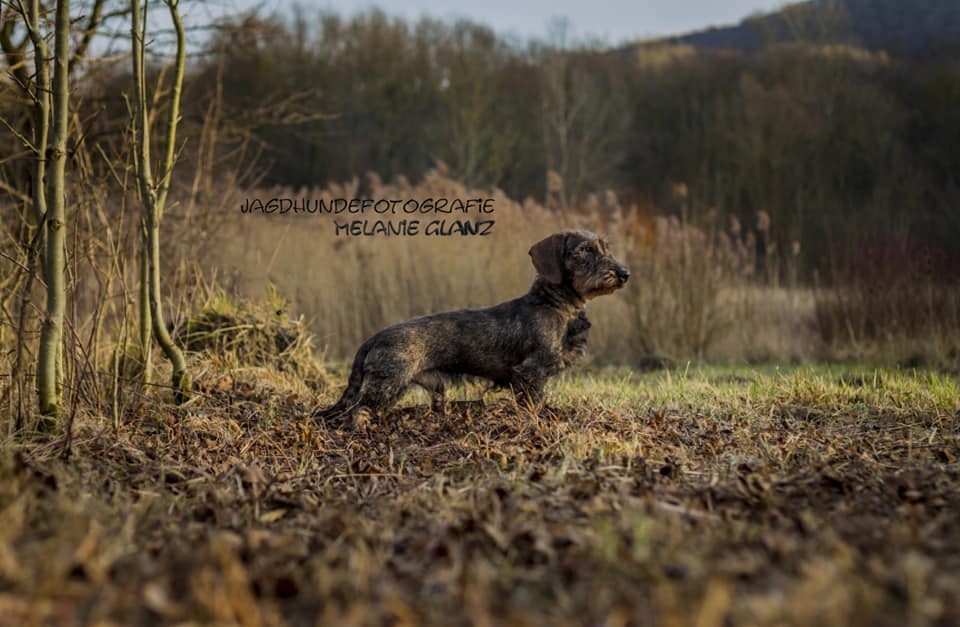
696, 293
801, 504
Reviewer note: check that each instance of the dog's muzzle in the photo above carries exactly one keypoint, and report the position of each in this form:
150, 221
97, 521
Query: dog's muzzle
623, 274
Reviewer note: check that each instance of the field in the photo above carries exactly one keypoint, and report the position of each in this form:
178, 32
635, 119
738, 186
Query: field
810, 496
732, 494
765, 431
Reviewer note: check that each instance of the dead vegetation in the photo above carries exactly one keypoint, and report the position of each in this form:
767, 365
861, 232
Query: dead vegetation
729, 497
253, 334
709, 498
702, 289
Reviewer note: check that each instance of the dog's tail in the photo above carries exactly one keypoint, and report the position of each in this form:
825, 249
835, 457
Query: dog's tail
348, 400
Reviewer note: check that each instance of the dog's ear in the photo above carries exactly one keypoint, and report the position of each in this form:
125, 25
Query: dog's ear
547, 256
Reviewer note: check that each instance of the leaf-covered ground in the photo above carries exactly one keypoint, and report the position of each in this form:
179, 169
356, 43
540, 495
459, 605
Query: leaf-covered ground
810, 497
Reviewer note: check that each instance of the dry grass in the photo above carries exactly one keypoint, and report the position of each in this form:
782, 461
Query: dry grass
352, 287
694, 287
770, 325
901, 317
714, 497
699, 296
252, 334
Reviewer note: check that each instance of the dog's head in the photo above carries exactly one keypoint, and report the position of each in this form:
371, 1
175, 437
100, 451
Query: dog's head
580, 259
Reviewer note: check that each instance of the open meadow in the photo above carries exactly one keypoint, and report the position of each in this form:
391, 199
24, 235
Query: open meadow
206, 209
653, 488
693, 496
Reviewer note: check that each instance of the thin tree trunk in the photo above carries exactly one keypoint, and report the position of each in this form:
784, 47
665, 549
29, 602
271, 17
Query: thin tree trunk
17, 373
51, 336
37, 241
152, 198
41, 116
145, 319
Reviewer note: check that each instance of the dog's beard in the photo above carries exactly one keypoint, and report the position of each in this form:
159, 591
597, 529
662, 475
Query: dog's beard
601, 287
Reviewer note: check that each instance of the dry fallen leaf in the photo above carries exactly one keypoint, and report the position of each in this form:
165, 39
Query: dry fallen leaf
272, 516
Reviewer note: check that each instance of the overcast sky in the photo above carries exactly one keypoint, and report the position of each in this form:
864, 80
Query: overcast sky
613, 21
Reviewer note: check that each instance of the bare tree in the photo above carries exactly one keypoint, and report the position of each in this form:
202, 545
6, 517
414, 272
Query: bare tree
49, 367
51, 350
154, 195
38, 92
43, 131
583, 117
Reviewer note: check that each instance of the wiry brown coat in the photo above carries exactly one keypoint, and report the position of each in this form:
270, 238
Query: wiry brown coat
517, 344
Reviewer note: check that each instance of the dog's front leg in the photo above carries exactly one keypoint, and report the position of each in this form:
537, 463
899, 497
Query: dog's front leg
575, 340
530, 378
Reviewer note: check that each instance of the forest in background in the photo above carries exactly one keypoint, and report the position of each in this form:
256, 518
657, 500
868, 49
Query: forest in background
851, 151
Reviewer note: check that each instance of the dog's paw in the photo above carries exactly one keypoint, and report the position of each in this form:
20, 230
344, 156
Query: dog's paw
579, 325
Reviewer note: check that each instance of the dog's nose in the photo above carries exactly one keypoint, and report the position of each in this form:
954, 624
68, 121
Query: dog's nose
623, 274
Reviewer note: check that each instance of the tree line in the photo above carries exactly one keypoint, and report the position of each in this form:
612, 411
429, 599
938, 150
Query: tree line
837, 144
834, 142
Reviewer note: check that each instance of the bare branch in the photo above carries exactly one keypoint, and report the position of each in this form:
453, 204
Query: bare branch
14, 51
93, 23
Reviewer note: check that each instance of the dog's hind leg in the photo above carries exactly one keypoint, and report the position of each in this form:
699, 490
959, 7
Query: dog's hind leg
379, 392
435, 383
348, 400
